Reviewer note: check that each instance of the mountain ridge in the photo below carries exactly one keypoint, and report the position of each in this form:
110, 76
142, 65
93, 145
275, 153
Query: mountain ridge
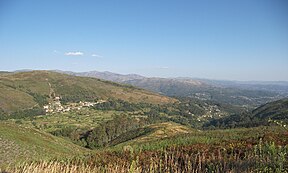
241, 93
35, 87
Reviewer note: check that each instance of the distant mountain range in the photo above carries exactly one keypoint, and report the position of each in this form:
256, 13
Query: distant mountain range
251, 94
106, 75
274, 86
248, 94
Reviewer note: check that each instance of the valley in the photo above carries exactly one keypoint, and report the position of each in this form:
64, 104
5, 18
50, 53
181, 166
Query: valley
144, 86
250, 94
87, 124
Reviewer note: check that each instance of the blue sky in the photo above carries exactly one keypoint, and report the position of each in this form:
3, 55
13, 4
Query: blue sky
223, 39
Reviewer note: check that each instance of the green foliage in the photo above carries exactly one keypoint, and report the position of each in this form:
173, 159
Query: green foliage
186, 112
271, 158
3, 115
108, 131
131, 134
40, 99
20, 114
73, 133
235, 150
120, 105
232, 121
194, 106
26, 113
262, 115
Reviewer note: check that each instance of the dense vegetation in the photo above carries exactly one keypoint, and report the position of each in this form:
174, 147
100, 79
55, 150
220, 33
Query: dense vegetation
263, 115
106, 132
120, 128
26, 113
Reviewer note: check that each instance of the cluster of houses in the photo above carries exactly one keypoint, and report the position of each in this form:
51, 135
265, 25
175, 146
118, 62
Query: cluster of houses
212, 111
55, 106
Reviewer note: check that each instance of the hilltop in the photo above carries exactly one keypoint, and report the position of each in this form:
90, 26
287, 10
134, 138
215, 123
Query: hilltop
25, 90
106, 75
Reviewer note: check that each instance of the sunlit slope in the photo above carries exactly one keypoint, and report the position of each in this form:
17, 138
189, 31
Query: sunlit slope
164, 130
150, 133
23, 143
12, 99
27, 89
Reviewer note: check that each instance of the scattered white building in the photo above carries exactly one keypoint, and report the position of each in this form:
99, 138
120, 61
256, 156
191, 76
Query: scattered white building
56, 106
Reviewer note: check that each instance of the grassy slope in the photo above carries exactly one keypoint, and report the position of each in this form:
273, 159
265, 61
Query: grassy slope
18, 143
241, 137
277, 110
163, 138
164, 130
12, 99
21, 85
235, 150
274, 110
157, 132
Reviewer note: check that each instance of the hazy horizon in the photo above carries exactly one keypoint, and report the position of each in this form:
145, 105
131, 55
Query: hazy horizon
224, 40
168, 77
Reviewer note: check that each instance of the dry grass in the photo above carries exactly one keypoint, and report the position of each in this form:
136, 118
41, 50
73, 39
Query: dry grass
57, 167
164, 130
260, 158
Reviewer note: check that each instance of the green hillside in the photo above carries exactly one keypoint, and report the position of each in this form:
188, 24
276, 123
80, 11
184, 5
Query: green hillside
184, 150
25, 90
151, 133
13, 99
270, 113
277, 110
24, 143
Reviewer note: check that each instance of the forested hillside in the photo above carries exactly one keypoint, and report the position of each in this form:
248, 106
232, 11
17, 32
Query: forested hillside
270, 113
